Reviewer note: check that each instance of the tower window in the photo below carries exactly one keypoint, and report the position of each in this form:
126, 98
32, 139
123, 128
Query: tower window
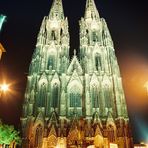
42, 96
55, 96
111, 133
98, 62
75, 100
95, 98
94, 36
53, 36
107, 96
51, 61
38, 136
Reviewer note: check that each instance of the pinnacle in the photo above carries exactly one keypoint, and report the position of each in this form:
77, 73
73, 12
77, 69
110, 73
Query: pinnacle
91, 10
98, 131
56, 10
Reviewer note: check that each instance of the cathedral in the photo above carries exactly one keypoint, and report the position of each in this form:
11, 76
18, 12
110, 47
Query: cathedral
79, 101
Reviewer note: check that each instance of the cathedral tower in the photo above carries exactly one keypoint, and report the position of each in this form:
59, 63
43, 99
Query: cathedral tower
77, 102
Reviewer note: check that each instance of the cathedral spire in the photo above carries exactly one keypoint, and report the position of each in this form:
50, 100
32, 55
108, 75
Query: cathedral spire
56, 10
91, 11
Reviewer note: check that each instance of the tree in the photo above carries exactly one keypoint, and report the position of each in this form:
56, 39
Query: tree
8, 135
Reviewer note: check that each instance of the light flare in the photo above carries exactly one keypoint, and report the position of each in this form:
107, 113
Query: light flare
4, 87
135, 77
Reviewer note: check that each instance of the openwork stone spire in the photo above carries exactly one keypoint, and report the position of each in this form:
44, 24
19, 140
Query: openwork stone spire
91, 11
56, 10
73, 101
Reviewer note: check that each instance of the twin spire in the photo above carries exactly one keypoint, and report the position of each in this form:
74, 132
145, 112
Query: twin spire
58, 12
91, 11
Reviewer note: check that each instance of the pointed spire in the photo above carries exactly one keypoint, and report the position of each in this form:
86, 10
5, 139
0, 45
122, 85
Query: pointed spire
110, 119
56, 10
53, 118
96, 117
52, 131
98, 131
52, 137
91, 11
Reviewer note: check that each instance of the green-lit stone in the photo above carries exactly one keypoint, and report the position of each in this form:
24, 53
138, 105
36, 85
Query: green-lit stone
2, 20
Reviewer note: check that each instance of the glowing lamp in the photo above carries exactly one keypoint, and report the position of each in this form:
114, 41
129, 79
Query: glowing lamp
4, 87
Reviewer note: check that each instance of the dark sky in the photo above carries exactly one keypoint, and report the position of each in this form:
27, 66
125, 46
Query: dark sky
128, 24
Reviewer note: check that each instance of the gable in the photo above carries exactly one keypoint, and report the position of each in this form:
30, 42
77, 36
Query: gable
75, 66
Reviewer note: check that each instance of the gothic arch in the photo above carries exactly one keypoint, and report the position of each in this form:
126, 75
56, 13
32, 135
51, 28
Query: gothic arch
107, 95
107, 92
75, 98
51, 56
53, 35
94, 36
42, 89
75, 94
97, 60
111, 132
55, 92
51, 59
36, 64
32, 95
94, 95
38, 136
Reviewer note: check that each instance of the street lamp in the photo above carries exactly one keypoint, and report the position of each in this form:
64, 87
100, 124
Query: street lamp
4, 88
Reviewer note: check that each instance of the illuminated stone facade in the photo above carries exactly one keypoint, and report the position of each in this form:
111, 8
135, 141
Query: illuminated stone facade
2, 19
78, 101
1, 50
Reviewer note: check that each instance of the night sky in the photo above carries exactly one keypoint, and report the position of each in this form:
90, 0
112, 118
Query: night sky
128, 24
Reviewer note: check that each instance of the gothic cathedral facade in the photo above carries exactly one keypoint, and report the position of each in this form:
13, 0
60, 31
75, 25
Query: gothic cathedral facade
74, 102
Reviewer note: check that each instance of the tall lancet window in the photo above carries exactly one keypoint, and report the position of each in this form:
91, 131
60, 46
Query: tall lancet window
42, 95
38, 136
107, 96
111, 133
55, 95
98, 64
75, 99
94, 96
51, 60
94, 36
53, 35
